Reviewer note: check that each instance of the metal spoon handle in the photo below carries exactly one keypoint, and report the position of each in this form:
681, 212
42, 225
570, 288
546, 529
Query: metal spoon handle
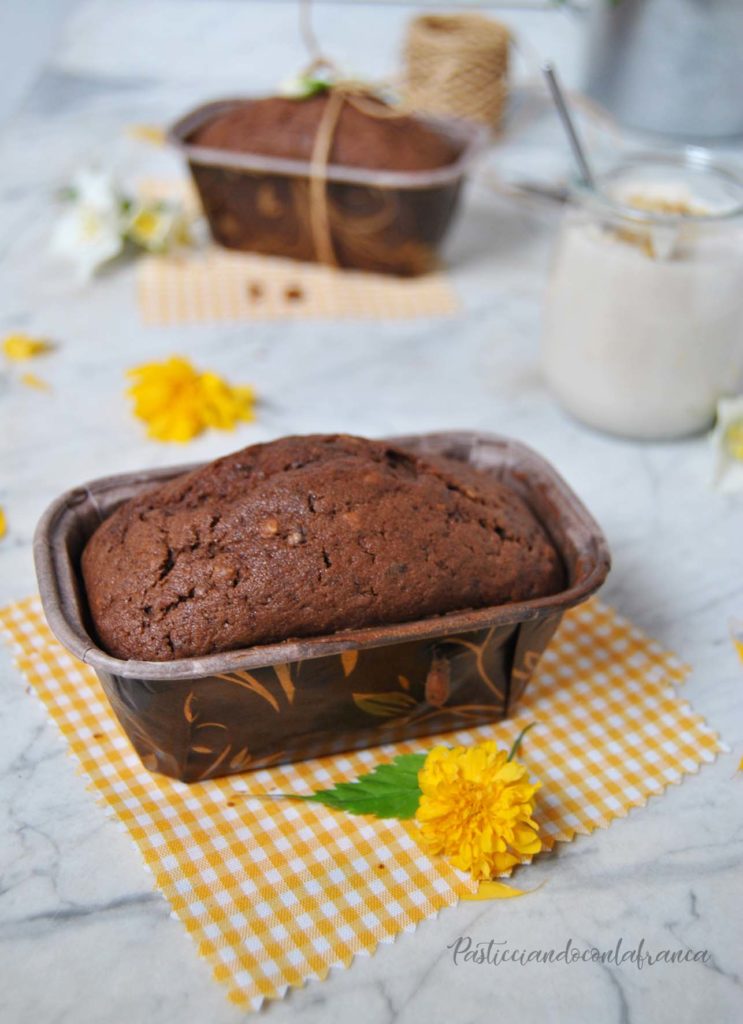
568, 124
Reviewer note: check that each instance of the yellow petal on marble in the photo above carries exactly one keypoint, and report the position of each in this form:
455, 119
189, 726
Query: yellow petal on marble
736, 635
19, 346
150, 133
3, 524
734, 439
32, 381
740, 763
497, 891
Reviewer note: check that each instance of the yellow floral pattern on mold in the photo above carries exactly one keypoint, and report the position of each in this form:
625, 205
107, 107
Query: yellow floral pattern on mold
242, 720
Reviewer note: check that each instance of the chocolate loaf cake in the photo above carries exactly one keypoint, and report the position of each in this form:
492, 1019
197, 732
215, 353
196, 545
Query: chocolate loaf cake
307, 536
367, 136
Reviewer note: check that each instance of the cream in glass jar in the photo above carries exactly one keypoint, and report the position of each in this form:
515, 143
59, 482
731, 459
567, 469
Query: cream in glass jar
643, 328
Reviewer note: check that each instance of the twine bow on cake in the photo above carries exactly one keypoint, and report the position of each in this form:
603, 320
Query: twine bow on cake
322, 74
340, 91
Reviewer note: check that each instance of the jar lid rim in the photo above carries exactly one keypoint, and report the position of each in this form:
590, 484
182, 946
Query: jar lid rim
693, 160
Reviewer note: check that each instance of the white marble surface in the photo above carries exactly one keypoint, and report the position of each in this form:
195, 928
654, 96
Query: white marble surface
83, 938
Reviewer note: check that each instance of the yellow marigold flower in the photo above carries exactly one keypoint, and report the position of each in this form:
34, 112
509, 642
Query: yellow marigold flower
177, 402
476, 809
3, 523
19, 347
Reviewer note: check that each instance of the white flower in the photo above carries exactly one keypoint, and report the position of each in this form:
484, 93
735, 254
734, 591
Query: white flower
727, 440
156, 226
102, 218
88, 237
89, 233
97, 189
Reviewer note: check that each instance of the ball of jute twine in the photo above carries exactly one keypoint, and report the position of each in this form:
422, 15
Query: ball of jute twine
457, 65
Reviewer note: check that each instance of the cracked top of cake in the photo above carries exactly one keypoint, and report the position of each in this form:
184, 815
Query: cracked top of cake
306, 536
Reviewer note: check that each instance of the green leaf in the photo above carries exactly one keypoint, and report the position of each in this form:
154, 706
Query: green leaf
389, 791
314, 86
519, 740
302, 87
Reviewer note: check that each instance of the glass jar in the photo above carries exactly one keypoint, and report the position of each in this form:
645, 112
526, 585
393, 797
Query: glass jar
643, 328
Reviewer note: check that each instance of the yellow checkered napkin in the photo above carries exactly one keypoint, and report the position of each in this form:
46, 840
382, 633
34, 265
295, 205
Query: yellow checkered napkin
219, 286
276, 892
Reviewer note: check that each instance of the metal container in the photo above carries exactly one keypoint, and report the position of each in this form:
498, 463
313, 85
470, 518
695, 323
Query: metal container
199, 718
390, 222
668, 66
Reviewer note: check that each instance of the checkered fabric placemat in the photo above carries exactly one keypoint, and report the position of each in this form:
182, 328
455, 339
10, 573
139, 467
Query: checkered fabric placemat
275, 893
219, 286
